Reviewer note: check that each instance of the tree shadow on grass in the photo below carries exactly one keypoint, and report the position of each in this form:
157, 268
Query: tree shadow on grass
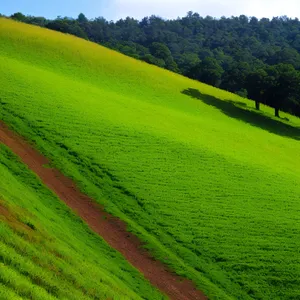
239, 111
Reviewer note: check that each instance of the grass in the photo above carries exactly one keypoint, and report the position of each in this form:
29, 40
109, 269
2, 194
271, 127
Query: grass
46, 252
210, 185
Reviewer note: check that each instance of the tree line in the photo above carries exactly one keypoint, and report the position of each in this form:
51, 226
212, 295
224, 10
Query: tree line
258, 59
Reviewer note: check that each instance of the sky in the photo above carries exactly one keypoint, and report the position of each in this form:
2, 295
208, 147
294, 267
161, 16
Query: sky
170, 9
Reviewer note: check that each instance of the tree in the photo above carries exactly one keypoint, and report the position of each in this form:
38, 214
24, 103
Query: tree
82, 18
208, 71
283, 85
19, 17
187, 61
40, 21
256, 86
234, 78
67, 26
286, 56
154, 60
162, 52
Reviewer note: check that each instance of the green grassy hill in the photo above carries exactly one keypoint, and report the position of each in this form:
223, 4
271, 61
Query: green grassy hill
209, 184
46, 252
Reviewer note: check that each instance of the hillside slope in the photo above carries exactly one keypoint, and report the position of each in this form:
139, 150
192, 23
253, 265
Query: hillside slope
211, 186
108, 227
46, 252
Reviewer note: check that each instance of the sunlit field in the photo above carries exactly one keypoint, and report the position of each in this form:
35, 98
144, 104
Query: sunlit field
210, 185
48, 253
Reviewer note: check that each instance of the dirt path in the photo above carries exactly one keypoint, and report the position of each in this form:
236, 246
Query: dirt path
111, 229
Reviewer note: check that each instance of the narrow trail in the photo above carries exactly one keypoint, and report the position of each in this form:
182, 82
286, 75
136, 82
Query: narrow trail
110, 228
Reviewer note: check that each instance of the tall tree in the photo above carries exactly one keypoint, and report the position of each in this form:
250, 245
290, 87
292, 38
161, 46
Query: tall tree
82, 18
256, 86
283, 84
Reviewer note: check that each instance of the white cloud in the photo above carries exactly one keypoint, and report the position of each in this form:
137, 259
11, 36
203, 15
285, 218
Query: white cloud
215, 8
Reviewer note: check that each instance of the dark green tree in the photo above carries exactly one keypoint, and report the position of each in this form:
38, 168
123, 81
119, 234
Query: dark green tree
19, 17
282, 86
208, 71
82, 18
255, 84
162, 52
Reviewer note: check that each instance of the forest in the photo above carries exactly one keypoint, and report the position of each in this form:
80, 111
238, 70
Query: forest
255, 58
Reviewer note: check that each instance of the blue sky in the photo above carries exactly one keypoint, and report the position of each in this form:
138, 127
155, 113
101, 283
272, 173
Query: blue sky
116, 9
